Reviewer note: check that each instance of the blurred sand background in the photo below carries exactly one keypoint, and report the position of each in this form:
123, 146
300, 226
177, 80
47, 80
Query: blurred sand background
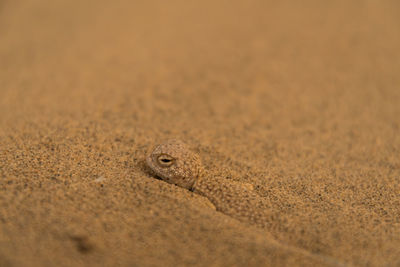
299, 98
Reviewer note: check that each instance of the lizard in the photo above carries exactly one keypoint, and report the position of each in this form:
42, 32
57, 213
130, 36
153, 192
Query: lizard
175, 163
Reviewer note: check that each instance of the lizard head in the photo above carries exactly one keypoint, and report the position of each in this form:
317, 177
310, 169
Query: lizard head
174, 163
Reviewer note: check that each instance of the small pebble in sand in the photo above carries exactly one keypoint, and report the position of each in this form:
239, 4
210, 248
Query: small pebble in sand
175, 163
100, 179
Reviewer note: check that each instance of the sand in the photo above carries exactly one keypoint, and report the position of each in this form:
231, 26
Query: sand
301, 100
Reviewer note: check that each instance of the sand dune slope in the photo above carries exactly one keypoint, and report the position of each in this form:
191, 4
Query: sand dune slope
301, 100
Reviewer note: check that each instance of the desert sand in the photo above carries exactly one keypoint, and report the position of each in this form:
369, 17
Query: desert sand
301, 99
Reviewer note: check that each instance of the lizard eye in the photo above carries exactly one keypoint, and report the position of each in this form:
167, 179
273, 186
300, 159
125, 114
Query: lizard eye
165, 160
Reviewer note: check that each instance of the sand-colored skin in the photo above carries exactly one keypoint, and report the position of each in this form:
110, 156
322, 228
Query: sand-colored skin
175, 163
300, 99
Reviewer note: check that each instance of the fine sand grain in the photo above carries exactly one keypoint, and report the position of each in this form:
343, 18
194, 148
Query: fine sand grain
300, 99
